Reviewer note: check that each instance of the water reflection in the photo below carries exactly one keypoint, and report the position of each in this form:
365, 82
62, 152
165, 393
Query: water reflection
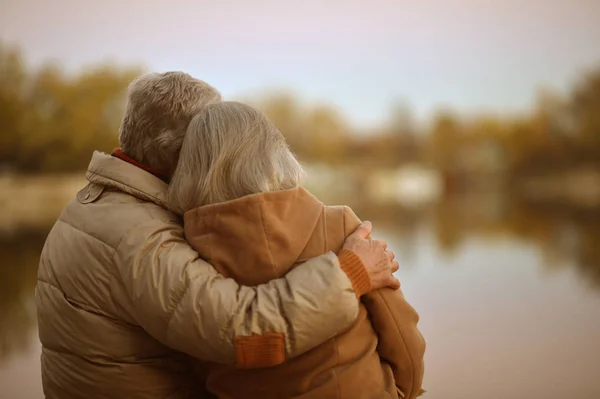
18, 271
565, 235
507, 290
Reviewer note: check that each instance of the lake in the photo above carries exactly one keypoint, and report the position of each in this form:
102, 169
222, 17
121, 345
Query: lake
508, 293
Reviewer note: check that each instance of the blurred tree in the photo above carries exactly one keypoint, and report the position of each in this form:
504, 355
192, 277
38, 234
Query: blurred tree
585, 106
402, 129
12, 104
552, 115
445, 140
51, 122
482, 151
286, 113
327, 135
317, 134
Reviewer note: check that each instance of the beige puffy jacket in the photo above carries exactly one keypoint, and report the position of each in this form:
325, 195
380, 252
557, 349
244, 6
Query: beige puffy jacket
123, 299
259, 238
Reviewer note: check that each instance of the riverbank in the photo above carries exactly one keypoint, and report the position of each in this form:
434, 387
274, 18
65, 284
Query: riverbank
34, 202
579, 188
29, 202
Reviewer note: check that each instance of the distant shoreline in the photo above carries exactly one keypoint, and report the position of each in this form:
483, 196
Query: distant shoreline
35, 201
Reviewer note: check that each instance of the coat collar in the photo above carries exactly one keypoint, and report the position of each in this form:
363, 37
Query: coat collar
114, 172
160, 174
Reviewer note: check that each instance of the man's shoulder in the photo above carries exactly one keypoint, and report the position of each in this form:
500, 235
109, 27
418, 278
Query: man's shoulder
110, 214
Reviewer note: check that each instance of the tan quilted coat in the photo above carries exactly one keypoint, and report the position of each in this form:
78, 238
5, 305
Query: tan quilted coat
123, 301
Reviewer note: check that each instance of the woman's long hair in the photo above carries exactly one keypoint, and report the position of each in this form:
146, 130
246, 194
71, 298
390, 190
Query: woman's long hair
230, 150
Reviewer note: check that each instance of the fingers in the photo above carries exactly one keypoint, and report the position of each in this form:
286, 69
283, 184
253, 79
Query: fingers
393, 283
363, 230
390, 255
395, 266
380, 244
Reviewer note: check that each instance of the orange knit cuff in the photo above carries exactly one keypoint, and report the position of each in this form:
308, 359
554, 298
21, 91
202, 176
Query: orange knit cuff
257, 351
355, 270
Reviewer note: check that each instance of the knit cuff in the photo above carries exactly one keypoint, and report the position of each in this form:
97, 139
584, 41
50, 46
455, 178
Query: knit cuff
257, 351
352, 265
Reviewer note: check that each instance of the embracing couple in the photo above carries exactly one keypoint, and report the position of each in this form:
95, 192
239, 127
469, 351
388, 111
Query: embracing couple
193, 265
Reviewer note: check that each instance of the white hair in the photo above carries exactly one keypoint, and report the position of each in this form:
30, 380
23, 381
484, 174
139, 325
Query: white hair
230, 150
159, 109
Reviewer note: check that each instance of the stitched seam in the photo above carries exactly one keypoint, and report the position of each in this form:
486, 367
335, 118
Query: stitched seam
148, 210
92, 358
85, 232
288, 335
79, 305
179, 302
129, 231
113, 262
110, 268
302, 258
47, 267
412, 364
225, 328
287, 321
337, 377
267, 238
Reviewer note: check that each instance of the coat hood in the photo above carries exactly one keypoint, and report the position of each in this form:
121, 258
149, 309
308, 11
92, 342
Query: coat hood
259, 236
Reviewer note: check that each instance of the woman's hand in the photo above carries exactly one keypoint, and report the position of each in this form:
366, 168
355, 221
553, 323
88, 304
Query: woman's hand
379, 262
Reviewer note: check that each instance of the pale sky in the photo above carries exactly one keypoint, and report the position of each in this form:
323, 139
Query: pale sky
359, 55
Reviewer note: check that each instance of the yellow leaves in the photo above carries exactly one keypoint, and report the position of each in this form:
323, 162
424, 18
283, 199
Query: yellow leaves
52, 121
314, 133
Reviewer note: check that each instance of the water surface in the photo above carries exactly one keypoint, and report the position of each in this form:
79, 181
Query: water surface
509, 301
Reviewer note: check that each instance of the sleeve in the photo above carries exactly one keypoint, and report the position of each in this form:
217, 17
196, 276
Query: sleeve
180, 300
400, 342
395, 321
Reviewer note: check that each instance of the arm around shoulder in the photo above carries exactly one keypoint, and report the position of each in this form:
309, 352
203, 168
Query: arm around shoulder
184, 303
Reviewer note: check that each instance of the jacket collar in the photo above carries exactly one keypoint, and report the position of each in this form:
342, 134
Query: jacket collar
114, 172
121, 155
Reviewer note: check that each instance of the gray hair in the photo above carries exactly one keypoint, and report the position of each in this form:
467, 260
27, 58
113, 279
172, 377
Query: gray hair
230, 150
159, 109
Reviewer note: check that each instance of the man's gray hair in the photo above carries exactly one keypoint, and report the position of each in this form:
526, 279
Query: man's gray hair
159, 109
230, 150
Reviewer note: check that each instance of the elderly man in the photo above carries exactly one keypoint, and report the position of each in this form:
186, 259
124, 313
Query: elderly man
124, 303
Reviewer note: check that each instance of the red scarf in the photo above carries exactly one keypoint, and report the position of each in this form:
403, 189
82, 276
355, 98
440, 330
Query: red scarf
117, 153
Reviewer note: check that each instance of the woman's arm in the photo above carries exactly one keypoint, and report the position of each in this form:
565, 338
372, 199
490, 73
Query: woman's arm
395, 321
400, 342
184, 303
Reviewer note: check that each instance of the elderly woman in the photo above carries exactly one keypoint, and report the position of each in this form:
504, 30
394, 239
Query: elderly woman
237, 185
